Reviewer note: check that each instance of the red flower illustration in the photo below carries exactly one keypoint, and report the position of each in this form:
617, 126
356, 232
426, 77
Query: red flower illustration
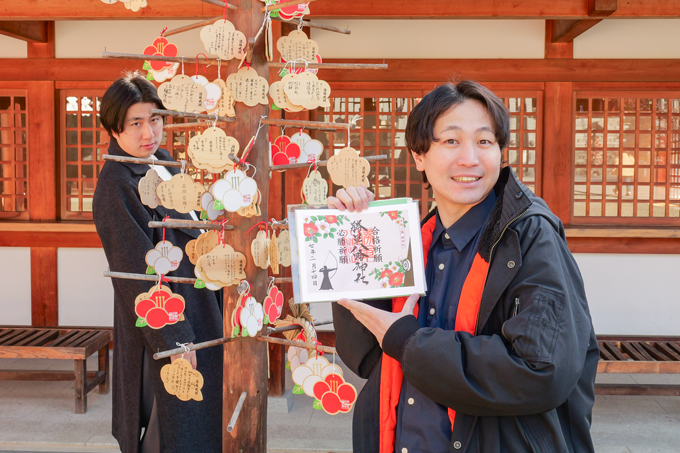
273, 304
161, 47
386, 273
331, 219
310, 229
161, 307
393, 215
284, 151
292, 11
335, 394
397, 279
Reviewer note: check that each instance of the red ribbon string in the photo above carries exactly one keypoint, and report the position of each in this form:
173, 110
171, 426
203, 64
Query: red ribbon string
164, 30
221, 233
245, 155
260, 225
166, 218
204, 70
224, 11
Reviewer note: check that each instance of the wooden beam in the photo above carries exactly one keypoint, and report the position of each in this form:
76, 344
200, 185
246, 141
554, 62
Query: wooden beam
42, 162
422, 71
43, 49
553, 49
378, 9
49, 239
602, 7
566, 30
25, 30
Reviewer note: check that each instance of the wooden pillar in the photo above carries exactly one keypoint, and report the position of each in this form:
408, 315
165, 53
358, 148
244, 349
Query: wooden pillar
42, 204
245, 361
557, 137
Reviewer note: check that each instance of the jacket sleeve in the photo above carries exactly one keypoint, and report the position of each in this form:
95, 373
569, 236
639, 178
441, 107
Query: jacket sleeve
356, 345
536, 367
122, 225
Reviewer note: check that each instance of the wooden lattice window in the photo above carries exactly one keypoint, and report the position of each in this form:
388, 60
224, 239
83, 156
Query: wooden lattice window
83, 143
524, 150
13, 155
382, 131
626, 158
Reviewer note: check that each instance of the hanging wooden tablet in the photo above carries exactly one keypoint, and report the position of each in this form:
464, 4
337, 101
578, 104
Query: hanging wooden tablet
225, 104
182, 94
181, 193
181, 380
259, 249
253, 209
294, 11
284, 151
202, 279
161, 70
222, 39
248, 87
206, 242
310, 149
251, 317
348, 169
190, 251
315, 189
297, 46
213, 92
159, 307
236, 190
210, 150
334, 395
164, 258
280, 99
147, 188
223, 264
308, 91
283, 244
274, 254
208, 205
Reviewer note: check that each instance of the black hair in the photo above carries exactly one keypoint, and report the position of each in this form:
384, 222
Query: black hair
421, 120
130, 89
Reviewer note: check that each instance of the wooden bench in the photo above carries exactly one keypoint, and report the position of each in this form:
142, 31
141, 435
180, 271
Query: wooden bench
55, 343
638, 355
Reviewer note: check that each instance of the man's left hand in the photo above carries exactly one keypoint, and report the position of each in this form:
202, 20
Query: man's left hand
376, 320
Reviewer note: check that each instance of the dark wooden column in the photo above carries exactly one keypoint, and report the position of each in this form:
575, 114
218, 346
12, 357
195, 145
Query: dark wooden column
245, 361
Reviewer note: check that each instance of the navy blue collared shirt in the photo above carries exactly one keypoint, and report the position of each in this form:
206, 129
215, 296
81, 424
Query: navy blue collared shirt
422, 424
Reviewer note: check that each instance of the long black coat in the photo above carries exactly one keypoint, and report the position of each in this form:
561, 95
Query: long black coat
122, 224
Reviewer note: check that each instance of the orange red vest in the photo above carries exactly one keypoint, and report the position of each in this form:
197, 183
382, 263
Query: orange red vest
466, 319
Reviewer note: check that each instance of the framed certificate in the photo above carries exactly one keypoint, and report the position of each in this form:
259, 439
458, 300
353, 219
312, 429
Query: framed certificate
377, 253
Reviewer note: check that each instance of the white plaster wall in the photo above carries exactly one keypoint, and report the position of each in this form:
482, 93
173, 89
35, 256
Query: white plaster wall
15, 285
12, 48
433, 39
85, 296
630, 38
88, 39
632, 294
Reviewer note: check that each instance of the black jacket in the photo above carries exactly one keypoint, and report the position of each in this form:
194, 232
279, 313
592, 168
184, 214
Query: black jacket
122, 224
525, 382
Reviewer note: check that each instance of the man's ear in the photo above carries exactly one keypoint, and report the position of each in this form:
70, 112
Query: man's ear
115, 135
418, 158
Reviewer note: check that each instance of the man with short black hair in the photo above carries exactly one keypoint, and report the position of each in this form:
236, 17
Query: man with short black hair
500, 354
146, 418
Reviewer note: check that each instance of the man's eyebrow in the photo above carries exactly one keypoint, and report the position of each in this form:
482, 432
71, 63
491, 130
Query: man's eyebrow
453, 127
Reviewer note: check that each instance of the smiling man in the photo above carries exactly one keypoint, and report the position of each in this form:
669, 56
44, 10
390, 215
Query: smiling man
500, 354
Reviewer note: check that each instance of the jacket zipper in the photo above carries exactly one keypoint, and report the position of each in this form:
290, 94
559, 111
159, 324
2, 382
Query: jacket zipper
516, 310
493, 247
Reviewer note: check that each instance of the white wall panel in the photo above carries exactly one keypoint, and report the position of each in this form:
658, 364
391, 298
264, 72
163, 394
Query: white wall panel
632, 294
15, 285
88, 39
630, 38
12, 48
433, 39
85, 296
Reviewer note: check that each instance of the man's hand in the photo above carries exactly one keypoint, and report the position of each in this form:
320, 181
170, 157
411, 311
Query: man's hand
376, 320
190, 356
352, 199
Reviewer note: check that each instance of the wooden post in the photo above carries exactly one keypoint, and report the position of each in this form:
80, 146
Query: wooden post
245, 361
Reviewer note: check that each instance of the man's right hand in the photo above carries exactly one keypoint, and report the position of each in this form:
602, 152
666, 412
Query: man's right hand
351, 199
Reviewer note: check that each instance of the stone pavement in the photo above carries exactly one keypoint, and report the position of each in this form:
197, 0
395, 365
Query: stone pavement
39, 416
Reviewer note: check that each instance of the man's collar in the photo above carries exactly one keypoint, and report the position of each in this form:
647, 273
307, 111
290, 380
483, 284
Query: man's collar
139, 169
465, 228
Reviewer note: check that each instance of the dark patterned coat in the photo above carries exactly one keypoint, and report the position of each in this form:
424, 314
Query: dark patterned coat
122, 224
